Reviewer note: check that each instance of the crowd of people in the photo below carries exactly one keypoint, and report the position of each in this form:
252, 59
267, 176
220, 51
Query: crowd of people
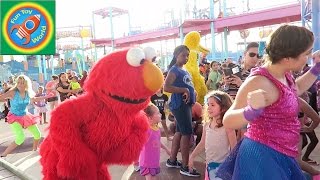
251, 123
255, 120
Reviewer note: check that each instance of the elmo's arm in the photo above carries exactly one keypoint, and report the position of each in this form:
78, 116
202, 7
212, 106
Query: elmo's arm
66, 131
129, 151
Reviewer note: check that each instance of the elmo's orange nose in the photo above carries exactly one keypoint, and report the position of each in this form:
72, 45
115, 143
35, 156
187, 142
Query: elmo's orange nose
152, 75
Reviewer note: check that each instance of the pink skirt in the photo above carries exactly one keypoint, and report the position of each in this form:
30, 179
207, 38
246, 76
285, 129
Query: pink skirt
25, 121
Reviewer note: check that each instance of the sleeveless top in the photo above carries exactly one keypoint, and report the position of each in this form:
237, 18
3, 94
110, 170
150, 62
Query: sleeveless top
278, 126
19, 105
217, 146
183, 80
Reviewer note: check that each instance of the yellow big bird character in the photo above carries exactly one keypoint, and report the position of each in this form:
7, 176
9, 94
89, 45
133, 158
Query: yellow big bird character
192, 41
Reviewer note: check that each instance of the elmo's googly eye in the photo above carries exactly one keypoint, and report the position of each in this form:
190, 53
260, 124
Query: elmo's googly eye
135, 57
150, 53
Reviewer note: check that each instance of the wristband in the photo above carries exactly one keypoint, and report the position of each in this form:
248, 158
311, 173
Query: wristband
315, 70
250, 114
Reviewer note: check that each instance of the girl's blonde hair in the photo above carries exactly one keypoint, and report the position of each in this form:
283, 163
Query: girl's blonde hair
148, 110
28, 84
223, 100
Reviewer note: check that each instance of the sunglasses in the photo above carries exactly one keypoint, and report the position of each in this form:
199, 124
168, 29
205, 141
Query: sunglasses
254, 54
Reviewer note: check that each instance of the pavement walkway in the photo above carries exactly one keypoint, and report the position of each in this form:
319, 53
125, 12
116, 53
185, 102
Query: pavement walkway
7, 175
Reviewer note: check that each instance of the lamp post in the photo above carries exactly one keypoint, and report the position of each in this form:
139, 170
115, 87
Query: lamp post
52, 64
225, 30
213, 41
94, 37
110, 12
111, 28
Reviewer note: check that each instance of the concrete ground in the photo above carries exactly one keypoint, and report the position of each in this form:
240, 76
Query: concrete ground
7, 175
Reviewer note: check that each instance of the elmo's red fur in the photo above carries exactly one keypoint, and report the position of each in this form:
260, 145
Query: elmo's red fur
104, 126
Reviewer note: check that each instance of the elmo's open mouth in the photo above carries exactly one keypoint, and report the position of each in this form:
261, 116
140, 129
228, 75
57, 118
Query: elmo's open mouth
127, 100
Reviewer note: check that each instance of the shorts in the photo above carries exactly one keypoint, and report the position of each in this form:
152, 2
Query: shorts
183, 118
51, 99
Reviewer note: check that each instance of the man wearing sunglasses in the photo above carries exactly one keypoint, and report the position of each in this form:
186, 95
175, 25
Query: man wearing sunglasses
250, 60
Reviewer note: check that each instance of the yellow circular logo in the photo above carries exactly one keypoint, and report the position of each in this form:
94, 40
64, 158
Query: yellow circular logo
28, 27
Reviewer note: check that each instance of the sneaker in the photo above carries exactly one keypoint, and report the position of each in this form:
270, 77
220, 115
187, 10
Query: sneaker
175, 164
192, 173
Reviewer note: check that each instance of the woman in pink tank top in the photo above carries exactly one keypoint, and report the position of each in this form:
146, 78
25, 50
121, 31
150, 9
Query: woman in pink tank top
268, 102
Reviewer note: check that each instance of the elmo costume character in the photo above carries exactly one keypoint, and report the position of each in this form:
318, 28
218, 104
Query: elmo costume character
106, 125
